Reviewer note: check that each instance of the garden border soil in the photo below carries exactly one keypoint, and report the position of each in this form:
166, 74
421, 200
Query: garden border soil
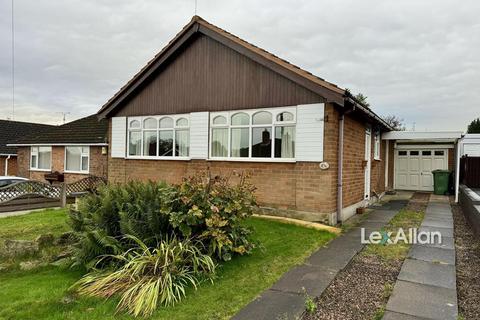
467, 247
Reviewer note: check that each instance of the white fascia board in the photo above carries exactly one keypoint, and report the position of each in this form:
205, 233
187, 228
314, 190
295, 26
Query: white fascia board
8, 154
56, 144
425, 136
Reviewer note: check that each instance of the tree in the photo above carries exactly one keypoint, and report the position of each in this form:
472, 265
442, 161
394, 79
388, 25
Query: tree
395, 122
362, 99
474, 126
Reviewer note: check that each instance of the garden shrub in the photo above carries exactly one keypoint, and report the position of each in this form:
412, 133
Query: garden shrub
210, 210
150, 276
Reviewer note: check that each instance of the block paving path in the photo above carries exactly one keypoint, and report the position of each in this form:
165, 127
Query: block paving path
426, 285
286, 299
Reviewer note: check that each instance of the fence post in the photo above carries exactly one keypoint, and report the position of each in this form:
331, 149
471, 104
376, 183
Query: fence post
63, 195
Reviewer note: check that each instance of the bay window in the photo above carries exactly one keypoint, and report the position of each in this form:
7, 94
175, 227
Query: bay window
254, 134
77, 159
41, 158
159, 136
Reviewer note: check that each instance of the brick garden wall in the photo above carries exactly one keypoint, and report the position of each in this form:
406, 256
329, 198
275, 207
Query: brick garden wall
98, 164
12, 166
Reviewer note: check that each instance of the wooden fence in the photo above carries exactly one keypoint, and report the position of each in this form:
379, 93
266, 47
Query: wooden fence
470, 171
26, 195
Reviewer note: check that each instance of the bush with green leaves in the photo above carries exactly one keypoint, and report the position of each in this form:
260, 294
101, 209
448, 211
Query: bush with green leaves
202, 208
150, 276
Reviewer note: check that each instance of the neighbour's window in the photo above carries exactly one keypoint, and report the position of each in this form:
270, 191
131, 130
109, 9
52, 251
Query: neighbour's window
40, 158
376, 146
159, 136
262, 134
439, 153
402, 153
426, 153
77, 158
414, 153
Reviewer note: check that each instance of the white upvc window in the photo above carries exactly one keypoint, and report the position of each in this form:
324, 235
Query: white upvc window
376, 146
258, 135
77, 159
158, 137
41, 158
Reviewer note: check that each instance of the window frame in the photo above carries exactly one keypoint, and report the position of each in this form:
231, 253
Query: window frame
174, 128
37, 148
251, 112
377, 145
82, 155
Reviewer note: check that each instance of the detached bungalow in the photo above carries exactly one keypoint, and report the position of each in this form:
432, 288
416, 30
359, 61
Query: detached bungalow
71, 151
212, 100
9, 132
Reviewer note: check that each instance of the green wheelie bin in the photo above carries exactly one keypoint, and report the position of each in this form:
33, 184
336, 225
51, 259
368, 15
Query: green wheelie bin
440, 181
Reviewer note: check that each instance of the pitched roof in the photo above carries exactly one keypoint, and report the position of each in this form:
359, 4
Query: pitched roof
328, 90
12, 130
88, 130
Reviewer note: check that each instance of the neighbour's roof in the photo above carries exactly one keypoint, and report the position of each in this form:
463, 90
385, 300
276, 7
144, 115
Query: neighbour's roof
12, 130
88, 130
328, 90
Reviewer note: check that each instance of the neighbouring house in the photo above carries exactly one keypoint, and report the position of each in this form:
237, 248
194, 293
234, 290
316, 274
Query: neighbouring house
210, 100
75, 150
9, 132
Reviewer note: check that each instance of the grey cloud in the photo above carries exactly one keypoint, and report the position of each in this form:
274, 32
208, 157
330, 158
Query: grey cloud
417, 59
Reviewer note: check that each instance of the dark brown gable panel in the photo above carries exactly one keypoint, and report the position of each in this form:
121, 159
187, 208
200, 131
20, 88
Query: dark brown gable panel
208, 76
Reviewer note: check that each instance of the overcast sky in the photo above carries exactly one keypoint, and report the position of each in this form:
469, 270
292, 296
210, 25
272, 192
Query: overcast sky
418, 59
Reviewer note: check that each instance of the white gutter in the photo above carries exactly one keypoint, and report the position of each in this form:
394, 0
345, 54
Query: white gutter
56, 144
457, 169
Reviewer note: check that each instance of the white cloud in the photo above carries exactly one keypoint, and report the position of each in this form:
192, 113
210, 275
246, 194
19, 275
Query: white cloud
417, 59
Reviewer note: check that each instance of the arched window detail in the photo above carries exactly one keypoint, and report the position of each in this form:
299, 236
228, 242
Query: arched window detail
219, 120
166, 122
285, 116
240, 119
182, 122
262, 117
150, 123
134, 124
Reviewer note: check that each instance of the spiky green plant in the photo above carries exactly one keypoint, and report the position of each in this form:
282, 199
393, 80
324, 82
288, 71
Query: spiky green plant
148, 277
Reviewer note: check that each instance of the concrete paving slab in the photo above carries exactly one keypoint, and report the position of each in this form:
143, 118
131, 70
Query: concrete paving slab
436, 223
423, 301
445, 243
273, 305
445, 232
431, 254
331, 258
433, 274
312, 279
390, 315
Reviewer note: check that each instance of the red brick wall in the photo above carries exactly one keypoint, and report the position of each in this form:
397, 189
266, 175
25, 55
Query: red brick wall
12, 166
391, 162
98, 164
451, 159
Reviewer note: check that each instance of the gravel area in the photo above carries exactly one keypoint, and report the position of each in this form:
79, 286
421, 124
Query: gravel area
468, 266
362, 289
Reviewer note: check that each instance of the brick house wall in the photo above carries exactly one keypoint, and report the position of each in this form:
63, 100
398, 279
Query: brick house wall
98, 164
12, 166
301, 188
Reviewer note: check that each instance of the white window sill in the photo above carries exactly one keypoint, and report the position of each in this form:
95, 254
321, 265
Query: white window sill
40, 170
157, 158
76, 172
271, 160
377, 159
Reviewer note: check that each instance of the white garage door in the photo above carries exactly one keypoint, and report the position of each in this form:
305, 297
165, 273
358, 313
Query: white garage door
413, 168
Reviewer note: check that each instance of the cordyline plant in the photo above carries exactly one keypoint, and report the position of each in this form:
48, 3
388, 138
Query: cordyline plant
149, 277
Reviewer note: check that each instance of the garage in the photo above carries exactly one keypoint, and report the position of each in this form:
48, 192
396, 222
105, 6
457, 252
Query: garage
414, 166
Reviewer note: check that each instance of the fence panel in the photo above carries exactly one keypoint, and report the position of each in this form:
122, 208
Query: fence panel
470, 171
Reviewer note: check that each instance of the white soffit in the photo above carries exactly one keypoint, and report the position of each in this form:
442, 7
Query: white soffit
419, 136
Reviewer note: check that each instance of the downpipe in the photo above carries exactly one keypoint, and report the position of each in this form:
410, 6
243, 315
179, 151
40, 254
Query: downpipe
6, 164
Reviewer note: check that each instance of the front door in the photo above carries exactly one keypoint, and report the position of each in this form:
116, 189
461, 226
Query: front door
368, 161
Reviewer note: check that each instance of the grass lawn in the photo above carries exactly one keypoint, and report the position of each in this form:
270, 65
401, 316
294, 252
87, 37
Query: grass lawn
40, 294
